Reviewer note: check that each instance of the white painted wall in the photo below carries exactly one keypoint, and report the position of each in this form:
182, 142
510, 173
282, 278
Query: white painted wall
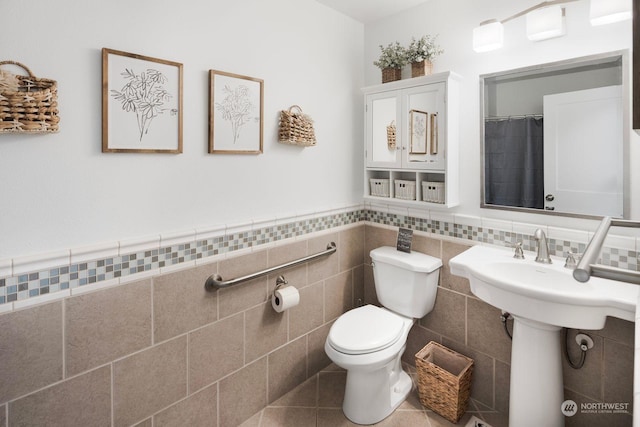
454, 21
59, 191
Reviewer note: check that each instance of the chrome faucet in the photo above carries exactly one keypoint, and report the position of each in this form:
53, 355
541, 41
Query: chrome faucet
543, 247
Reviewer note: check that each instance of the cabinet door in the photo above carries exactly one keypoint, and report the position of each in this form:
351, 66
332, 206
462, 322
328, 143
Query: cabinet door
424, 124
383, 129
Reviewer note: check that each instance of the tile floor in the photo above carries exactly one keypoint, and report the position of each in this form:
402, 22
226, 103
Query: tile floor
318, 402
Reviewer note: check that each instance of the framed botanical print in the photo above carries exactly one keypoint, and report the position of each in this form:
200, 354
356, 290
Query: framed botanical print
141, 104
235, 113
418, 128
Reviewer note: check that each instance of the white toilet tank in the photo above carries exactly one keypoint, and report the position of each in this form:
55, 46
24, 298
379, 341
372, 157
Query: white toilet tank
406, 283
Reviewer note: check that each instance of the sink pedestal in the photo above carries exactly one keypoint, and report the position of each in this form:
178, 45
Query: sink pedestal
536, 375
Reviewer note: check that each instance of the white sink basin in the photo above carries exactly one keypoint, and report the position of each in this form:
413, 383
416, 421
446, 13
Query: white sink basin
542, 298
546, 293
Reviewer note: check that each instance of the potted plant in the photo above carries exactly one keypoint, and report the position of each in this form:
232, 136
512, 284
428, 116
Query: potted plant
420, 54
392, 59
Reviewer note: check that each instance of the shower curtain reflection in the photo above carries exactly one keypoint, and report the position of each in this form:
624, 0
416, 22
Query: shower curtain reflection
514, 174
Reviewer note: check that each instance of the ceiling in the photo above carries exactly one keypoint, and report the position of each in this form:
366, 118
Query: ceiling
367, 11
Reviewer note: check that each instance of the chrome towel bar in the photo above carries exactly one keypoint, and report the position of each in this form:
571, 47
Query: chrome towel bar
215, 281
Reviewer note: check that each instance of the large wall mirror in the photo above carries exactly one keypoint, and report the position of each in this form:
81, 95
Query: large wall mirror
554, 137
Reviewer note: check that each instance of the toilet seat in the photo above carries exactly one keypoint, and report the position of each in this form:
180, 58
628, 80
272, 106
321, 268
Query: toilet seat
365, 330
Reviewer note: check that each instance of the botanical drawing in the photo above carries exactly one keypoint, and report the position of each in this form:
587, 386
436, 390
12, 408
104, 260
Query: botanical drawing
143, 95
236, 108
418, 132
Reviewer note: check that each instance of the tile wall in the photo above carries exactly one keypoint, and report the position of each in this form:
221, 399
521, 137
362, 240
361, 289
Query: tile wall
151, 344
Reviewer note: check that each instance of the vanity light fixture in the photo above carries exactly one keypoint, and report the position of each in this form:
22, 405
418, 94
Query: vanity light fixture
547, 20
545, 23
488, 36
609, 11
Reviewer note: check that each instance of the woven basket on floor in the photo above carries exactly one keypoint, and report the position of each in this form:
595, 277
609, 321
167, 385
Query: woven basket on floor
444, 380
296, 128
27, 103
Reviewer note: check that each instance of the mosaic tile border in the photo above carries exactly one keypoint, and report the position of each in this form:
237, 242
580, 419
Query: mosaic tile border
32, 284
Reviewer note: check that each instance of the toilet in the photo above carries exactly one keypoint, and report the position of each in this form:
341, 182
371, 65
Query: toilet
368, 341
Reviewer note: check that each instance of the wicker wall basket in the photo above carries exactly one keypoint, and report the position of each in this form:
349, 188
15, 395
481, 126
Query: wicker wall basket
422, 68
296, 128
27, 103
444, 380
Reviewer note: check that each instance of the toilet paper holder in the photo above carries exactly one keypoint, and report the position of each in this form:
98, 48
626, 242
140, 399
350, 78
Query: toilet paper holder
280, 281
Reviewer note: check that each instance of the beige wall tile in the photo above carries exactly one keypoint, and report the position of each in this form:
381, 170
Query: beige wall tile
287, 368
288, 252
338, 295
485, 331
180, 302
482, 380
448, 315
417, 339
351, 249
327, 266
358, 285
318, 359
588, 379
306, 394
427, 245
376, 237
3, 415
239, 297
309, 313
618, 373
150, 380
243, 393
369, 286
31, 350
84, 400
448, 280
618, 330
502, 386
295, 276
103, 326
146, 423
215, 351
265, 330
198, 410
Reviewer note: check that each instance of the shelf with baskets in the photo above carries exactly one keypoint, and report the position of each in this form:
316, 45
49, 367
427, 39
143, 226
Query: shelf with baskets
411, 141
419, 188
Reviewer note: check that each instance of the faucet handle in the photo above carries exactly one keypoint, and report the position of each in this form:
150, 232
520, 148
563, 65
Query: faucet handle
519, 254
572, 259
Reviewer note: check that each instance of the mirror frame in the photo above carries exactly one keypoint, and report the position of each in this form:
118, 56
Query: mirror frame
626, 126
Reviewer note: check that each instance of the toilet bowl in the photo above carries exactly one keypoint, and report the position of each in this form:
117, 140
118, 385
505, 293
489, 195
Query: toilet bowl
369, 341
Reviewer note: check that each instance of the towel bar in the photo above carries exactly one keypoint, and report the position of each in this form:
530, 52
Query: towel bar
215, 281
586, 266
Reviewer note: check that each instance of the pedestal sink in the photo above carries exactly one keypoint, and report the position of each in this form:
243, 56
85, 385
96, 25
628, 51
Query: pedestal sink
542, 298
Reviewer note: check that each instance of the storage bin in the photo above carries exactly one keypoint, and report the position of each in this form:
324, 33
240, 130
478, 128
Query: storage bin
433, 191
405, 190
444, 380
379, 187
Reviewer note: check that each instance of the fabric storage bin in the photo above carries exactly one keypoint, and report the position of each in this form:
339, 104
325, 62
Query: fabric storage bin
379, 187
433, 192
405, 190
444, 380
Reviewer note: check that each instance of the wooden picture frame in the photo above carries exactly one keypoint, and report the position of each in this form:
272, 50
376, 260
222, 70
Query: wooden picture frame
141, 104
418, 130
236, 111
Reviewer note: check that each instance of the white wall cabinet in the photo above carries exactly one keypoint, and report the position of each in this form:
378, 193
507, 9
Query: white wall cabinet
417, 162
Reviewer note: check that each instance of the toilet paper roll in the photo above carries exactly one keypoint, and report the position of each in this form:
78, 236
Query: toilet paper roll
284, 298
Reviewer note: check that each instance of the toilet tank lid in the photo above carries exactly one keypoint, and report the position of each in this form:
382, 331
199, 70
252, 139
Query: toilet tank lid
414, 261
